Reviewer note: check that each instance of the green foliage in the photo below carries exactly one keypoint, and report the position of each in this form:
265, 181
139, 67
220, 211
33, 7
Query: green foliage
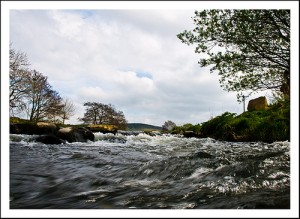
250, 49
264, 125
219, 127
17, 120
270, 129
186, 127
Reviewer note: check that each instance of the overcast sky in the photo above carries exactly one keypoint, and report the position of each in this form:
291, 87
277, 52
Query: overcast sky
131, 59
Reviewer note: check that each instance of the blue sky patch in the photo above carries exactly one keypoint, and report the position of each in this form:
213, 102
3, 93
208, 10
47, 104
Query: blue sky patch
142, 74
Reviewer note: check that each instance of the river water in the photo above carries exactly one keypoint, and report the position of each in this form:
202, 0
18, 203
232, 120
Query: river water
149, 172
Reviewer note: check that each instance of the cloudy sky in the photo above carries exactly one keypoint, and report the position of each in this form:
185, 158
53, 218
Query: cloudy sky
123, 54
130, 58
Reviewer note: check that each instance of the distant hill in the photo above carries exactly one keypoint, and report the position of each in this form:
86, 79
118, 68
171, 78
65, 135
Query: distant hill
142, 127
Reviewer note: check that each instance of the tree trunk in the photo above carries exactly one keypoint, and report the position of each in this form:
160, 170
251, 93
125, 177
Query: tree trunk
285, 87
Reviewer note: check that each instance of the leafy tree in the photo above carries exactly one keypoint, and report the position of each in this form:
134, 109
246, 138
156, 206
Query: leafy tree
18, 80
168, 125
250, 49
99, 113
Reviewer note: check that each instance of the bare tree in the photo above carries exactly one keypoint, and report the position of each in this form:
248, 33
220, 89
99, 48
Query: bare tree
115, 117
168, 125
94, 113
68, 110
18, 80
43, 101
54, 109
30, 92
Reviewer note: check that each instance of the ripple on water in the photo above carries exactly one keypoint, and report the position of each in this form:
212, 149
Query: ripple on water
149, 172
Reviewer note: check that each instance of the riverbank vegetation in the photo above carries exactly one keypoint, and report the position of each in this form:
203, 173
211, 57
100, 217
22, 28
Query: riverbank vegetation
268, 125
250, 51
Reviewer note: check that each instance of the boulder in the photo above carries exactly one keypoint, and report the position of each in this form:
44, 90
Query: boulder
72, 134
22, 128
259, 103
202, 154
46, 128
153, 133
103, 128
49, 139
190, 134
31, 128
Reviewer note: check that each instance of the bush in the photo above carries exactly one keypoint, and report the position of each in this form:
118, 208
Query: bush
264, 125
219, 127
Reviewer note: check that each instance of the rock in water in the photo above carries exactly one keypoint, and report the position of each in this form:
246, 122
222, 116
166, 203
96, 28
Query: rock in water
46, 128
71, 134
49, 139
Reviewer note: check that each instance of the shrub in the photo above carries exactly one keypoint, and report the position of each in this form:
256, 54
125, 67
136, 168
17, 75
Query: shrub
265, 125
218, 127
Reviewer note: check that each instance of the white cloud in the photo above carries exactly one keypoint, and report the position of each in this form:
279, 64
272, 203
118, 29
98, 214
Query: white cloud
68, 25
101, 55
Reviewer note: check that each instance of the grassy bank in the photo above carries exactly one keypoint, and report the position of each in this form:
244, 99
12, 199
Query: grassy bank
268, 125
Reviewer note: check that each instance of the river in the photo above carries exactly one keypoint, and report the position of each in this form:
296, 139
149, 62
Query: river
149, 172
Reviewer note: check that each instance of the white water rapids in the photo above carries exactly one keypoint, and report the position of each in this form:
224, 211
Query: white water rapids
149, 172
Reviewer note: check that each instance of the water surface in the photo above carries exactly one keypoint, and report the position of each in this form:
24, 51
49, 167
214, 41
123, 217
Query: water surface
149, 172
